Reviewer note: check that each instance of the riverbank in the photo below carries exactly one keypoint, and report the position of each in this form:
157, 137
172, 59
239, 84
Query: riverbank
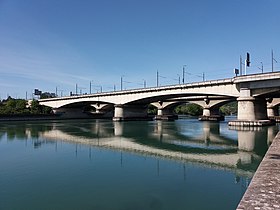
264, 189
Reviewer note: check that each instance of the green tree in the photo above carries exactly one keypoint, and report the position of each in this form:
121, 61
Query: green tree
35, 107
18, 106
189, 109
229, 109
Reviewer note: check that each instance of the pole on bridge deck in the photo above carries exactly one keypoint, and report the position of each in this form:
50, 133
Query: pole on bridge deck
183, 78
89, 87
240, 65
157, 78
247, 62
272, 60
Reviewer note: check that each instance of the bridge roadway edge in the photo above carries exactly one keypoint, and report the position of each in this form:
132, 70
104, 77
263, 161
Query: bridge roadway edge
264, 189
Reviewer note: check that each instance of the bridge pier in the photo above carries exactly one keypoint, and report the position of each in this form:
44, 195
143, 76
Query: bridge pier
272, 112
211, 110
273, 109
130, 112
165, 114
211, 114
165, 110
252, 111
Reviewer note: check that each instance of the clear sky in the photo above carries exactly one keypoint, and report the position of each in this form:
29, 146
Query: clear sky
60, 43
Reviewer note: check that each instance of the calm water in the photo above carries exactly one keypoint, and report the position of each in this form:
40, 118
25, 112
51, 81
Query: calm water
101, 164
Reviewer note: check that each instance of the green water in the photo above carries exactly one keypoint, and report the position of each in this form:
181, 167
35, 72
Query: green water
99, 164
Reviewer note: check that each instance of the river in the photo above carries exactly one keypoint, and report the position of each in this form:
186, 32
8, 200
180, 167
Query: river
100, 164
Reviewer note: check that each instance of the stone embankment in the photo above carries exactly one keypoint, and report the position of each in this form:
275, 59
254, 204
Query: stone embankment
264, 189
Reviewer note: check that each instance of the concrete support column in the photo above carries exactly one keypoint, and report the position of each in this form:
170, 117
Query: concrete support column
206, 111
160, 112
165, 114
251, 108
272, 111
130, 112
211, 114
252, 112
119, 113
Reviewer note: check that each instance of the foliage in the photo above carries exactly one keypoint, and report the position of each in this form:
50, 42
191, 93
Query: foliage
19, 107
152, 110
189, 109
229, 109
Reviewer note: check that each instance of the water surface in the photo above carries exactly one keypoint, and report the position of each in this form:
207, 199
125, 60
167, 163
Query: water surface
99, 164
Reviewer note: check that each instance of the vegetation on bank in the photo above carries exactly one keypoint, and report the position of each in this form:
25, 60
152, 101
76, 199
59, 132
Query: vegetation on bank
189, 109
12, 106
196, 110
229, 109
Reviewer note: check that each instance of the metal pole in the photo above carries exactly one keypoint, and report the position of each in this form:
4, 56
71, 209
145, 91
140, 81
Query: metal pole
262, 66
144, 83
157, 78
183, 79
121, 83
245, 68
272, 60
76, 89
89, 87
203, 76
240, 64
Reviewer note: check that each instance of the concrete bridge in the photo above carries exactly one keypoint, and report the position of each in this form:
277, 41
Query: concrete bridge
257, 96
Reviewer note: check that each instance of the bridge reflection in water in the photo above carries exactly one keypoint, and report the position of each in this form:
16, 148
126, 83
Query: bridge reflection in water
207, 143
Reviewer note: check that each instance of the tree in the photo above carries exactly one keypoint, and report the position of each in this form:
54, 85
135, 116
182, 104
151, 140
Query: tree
19, 106
189, 109
229, 109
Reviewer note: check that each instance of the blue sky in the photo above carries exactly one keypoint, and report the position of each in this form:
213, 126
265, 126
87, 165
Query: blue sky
60, 43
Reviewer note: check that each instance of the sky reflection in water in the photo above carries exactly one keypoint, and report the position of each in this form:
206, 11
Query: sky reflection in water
101, 164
